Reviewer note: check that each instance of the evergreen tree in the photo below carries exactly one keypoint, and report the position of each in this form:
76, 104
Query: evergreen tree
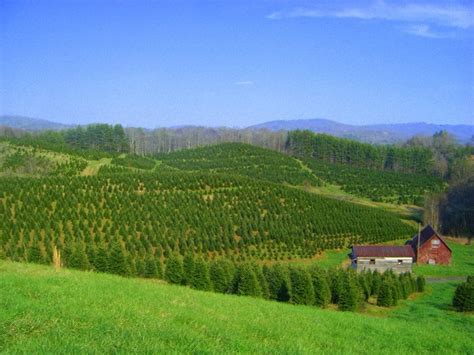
384, 298
118, 263
246, 282
364, 285
349, 297
420, 283
188, 269
278, 280
222, 275
322, 292
463, 299
79, 258
101, 260
132, 267
36, 253
337, 280
159, 269
376, 282
151, 271
200, 278
302, 291
174, 270
262, 281
140, 266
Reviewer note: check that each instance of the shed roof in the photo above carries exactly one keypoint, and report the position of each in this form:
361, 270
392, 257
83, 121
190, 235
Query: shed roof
391, 251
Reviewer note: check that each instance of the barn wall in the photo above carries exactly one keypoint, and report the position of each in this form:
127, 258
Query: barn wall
383, 264
440, 254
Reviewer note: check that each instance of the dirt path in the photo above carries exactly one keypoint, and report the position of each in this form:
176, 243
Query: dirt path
433, 279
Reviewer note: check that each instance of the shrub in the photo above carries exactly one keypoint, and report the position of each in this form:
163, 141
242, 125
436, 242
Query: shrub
463, 299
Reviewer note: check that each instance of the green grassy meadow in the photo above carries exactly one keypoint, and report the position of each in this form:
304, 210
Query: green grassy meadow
49, 311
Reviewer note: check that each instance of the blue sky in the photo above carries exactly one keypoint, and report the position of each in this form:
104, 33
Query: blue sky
237, 63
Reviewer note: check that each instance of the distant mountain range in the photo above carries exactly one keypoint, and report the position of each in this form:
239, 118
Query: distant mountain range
31, 124
376, 133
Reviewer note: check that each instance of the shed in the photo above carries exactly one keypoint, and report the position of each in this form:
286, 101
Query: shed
432, 249
382, 257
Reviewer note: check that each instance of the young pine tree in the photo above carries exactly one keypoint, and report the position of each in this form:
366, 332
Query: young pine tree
101, 260
36, 253
384, 298
337, 280
420, 283
302, 291
200, 278
188, 269
262, 281
151, 271
278, 280
376, 282
246, 281
463, 299
174, 270
322, 292
118, 263
349, 297
78, 259
222, 274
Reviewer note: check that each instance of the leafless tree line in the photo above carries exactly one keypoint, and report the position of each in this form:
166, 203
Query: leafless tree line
165, 140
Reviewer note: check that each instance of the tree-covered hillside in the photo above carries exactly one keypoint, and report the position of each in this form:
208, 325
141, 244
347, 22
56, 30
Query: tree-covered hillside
27, 161
381, 186
242, 159
156, 215
362, 155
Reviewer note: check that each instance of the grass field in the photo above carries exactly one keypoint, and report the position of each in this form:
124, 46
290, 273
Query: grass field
46, 311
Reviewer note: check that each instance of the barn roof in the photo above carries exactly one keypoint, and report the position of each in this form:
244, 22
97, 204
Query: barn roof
426, 234
405, 251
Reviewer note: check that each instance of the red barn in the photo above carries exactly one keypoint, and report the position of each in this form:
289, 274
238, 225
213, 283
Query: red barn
432, 248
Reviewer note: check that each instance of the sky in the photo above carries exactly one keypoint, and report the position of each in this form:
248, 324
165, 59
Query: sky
237, 63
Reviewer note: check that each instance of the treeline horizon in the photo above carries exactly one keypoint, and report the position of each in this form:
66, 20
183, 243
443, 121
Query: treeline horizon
438, 155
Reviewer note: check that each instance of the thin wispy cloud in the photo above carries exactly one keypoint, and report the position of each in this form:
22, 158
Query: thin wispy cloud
425, 31
244, 82
420, 18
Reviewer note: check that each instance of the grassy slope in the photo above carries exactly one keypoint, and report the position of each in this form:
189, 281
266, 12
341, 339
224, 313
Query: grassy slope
71, 311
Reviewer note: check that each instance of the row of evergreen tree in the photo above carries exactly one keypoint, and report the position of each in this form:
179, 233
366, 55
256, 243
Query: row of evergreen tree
294, 284
279, 282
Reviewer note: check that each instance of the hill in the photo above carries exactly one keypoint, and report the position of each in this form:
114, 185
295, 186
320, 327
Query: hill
242, 159
66, 311
376, 133
31, 124
155, 215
